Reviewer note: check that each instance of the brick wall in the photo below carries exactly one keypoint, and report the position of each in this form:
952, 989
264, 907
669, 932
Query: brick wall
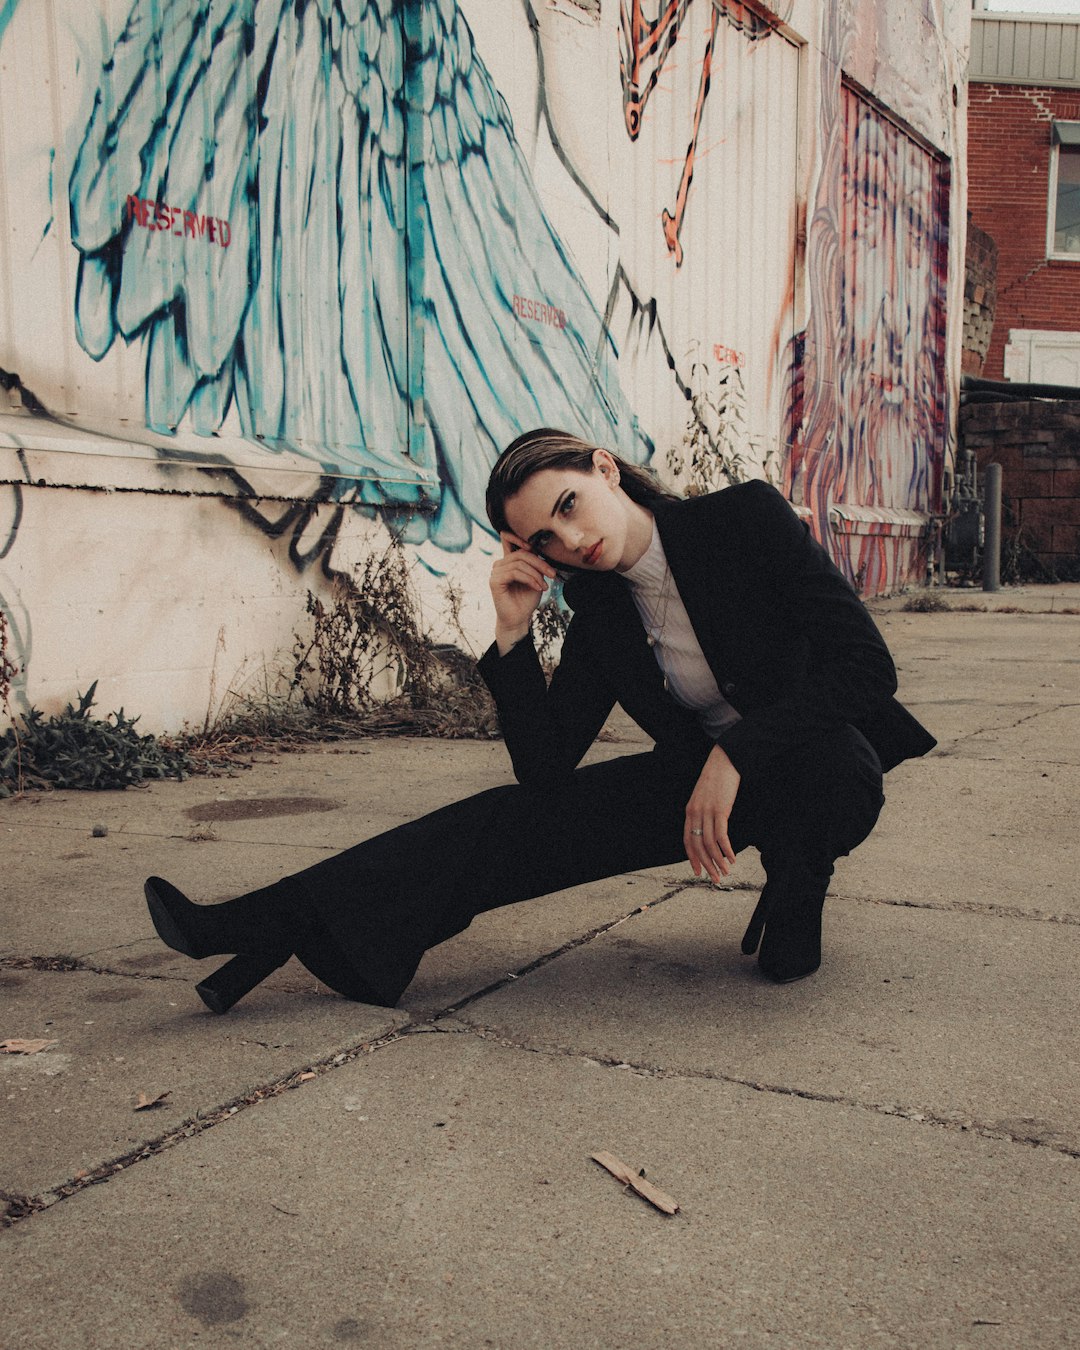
1037, 445
980, 297
1008, 197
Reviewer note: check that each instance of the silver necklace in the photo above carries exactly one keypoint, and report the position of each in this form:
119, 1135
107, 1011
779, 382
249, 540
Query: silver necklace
654, 634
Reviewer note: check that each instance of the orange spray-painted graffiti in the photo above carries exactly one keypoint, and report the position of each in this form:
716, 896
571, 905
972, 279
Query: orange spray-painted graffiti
645, 45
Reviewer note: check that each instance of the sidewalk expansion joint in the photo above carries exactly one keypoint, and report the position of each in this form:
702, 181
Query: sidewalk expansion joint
580, 941
17, 1208
987, 908
953, 1122
953, 746
66, 965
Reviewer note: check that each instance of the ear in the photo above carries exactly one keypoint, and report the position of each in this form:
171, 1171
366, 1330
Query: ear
605, 464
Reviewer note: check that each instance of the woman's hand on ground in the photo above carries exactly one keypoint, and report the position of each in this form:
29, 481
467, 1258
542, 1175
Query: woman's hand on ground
518, 582
705, 834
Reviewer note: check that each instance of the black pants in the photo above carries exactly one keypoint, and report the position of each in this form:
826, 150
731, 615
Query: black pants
370, 913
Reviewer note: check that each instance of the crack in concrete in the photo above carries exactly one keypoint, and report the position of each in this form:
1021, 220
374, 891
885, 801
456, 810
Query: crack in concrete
953, 746
554, 955
66, 965
958, 1123
121, 832
19, 1207
986, 908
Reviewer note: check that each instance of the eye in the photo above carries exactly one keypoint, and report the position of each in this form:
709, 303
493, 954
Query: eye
567, 503
541, 540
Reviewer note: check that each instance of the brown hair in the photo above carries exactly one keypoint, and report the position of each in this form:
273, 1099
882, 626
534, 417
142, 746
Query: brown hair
547, 448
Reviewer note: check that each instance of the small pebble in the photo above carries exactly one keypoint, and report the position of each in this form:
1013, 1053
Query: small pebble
100, 831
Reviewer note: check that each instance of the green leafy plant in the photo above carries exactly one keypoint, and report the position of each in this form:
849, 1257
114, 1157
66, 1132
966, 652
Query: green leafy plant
75, 750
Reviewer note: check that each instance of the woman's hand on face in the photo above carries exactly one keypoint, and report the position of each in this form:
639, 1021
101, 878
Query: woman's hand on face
705, 834
518, 582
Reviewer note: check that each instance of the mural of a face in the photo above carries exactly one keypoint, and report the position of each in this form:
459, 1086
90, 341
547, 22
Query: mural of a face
888, 253
867, 393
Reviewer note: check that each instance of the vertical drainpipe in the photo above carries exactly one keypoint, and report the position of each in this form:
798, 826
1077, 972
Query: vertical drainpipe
416, 136
992, 512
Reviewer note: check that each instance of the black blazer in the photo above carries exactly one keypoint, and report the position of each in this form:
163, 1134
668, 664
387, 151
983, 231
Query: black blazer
792, 648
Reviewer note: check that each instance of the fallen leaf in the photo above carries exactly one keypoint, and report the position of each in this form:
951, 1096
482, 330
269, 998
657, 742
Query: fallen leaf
24, 1047
636, 1182
146, 1103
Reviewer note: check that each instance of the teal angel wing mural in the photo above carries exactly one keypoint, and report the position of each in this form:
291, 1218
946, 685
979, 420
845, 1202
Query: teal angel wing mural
314, 216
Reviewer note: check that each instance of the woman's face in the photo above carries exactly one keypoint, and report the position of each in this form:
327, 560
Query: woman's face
583, 520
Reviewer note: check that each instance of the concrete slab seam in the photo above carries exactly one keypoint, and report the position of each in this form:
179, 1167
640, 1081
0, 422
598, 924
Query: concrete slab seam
951, 749
574, 943
63, 965
192, 837
958, 1124
20, 1207
987, 909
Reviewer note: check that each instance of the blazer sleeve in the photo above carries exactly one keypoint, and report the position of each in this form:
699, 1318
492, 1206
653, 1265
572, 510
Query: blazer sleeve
841, 670
547, 727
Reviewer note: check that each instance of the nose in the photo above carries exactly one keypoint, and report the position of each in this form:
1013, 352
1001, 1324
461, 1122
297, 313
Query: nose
570, 537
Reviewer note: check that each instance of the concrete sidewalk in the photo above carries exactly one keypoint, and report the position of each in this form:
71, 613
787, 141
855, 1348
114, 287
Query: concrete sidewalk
886, 1154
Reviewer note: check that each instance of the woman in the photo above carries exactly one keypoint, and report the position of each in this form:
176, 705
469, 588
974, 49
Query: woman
723, 630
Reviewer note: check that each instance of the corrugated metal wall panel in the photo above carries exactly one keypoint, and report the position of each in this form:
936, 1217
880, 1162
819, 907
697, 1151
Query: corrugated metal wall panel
1007, 50
715, 238
891, 374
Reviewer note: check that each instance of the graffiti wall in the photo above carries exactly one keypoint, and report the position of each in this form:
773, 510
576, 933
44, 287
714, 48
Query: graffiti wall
279, 278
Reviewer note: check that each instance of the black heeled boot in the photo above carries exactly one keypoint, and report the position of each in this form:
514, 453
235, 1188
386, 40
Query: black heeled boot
254, 926
789, 912
230, 982
752, 936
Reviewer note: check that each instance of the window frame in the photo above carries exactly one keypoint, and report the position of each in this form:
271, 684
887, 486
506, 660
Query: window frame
1060, 139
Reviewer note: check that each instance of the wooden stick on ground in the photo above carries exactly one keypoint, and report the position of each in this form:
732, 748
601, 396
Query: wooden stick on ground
645, 1189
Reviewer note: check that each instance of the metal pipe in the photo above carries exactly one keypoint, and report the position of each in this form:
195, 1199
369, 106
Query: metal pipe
992, 514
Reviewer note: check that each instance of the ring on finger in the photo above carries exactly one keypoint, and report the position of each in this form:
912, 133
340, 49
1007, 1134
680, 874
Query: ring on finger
697, 833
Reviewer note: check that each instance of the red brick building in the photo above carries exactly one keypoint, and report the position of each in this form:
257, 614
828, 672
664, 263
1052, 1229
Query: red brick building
1024, 189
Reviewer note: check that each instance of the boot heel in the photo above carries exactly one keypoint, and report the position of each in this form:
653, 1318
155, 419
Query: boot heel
230, 982
752, 936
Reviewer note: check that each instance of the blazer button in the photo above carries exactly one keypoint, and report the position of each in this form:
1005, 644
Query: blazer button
727, 688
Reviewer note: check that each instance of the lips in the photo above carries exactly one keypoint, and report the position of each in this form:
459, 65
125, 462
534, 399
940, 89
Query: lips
592, 555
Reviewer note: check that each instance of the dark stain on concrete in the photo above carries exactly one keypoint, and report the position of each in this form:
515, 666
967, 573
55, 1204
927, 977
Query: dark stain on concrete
11, 981
113, 995
349, 1329
146, 962
259, 808
678, 970
214, 1298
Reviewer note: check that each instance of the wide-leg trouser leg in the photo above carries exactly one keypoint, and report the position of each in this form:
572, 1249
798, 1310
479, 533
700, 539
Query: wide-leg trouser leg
372, 911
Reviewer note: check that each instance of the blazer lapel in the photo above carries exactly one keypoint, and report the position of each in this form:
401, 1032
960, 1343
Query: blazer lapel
698, 567
606, 599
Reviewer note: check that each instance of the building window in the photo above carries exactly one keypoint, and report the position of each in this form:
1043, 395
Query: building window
1064, 231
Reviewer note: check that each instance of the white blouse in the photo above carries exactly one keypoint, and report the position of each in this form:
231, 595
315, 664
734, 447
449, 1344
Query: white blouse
686, 672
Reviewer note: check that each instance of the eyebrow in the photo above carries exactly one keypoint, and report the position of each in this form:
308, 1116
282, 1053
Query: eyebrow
531, 541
